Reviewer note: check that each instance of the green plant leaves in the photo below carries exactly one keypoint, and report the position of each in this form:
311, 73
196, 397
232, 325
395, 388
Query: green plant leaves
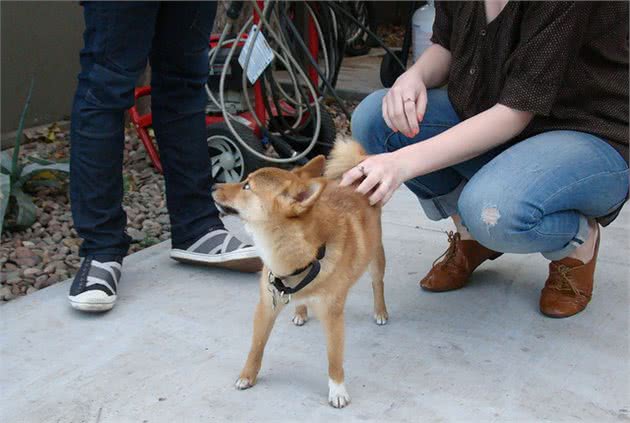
5, 193
6, 163
42, 172
13, 176
18, 133
25, 210
39, 160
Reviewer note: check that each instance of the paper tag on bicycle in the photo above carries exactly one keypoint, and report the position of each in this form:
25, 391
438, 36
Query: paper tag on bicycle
260, 58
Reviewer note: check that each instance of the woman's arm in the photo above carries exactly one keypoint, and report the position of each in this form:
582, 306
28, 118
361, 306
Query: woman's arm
433, 66
462, 142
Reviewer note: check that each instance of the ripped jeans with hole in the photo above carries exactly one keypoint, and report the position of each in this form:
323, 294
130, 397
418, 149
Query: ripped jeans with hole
533, 196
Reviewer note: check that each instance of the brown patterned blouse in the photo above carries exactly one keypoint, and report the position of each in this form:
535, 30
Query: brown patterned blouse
567, 62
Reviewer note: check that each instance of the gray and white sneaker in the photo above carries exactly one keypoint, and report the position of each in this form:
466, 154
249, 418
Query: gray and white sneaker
95, 284
219, 248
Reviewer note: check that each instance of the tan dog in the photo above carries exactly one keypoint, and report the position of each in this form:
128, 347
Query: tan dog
294, 216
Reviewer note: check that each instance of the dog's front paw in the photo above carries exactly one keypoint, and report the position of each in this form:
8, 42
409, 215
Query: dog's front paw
381, 318
299, 320
243, 383
337, 394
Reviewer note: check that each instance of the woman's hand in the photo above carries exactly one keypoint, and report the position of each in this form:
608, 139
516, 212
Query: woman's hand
405, 103
385, 172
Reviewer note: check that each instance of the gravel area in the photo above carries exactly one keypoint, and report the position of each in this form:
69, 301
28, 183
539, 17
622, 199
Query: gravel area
47, 252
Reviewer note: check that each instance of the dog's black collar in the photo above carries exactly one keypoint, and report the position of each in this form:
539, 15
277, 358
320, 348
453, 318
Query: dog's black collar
314, 270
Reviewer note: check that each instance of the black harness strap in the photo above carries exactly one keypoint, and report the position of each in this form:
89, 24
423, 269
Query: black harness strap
314, 270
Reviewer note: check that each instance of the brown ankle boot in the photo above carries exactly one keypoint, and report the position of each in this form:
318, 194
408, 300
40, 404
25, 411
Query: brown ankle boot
460, 259
569, 287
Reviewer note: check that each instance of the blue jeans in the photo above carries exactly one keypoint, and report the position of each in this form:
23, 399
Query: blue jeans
532, 196
119, 37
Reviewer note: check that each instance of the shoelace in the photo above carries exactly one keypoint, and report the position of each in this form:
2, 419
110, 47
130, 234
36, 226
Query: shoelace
450, 251
561, 281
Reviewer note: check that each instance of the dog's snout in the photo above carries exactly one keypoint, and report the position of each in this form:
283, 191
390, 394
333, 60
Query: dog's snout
214, 188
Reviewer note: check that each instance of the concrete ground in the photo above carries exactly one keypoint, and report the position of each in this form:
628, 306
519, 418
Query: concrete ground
358, 77
175, 343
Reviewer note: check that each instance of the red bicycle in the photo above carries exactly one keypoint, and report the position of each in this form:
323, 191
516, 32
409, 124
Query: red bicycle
230, 161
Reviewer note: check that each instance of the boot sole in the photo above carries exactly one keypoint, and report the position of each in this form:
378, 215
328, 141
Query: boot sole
442, 289
561, 316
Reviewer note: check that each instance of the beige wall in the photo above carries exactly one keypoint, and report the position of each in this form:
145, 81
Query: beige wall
39, 39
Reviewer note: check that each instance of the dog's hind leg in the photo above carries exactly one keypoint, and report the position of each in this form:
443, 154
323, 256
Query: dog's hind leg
301, 315
377, 271
264, 318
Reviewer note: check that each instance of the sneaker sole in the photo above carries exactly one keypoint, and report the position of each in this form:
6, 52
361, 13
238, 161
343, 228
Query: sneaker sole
242, 261
94, 307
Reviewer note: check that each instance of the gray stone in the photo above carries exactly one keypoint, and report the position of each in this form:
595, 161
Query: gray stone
14, 278
28, 261
151, 227
10, 267
135, 234
40, 281
71, 242
32, 271
23, 252
61, 274
44, 219
60, 265
65, 217
5, 293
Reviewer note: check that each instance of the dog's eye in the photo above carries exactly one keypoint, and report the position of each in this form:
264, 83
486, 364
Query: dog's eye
246, 186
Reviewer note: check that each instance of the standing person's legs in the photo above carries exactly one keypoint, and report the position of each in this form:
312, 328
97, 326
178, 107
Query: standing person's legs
117, 40
179, 70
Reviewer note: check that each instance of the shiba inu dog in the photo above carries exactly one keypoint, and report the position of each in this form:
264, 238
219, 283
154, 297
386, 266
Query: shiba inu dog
316, 239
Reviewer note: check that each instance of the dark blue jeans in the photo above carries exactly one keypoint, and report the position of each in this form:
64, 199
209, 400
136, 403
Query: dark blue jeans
119, 38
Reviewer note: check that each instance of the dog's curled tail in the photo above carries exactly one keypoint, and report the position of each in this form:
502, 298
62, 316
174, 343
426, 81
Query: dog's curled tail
346, 154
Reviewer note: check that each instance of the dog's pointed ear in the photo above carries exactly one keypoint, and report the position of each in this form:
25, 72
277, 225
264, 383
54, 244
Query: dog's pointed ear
299, 199
312, 169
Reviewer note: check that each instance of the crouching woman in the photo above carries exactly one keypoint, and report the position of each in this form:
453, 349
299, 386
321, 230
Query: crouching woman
526, 150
